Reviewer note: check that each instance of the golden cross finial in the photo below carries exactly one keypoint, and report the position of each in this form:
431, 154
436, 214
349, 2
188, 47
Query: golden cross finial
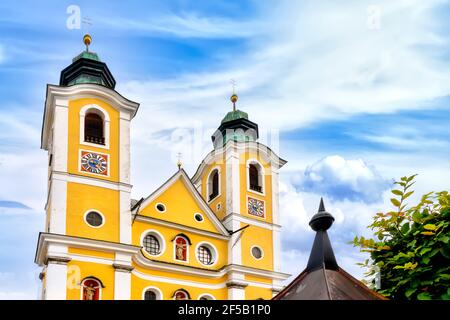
234, 96
179, 163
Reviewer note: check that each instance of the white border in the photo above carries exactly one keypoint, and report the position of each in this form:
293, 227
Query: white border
203, 218
262, 252
206, 295
214, 253
262, 175
160, 203
96, 211
174, 243
252, 215
159, 294
108, 164
106, 125
207, 184
82, 287
159, 236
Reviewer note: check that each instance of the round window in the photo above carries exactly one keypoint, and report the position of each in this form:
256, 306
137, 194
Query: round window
257, 252
160, 207
198, 217
151, 244
204, 255
94, 219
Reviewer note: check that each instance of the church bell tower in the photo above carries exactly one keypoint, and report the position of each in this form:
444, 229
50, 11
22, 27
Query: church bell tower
86, 132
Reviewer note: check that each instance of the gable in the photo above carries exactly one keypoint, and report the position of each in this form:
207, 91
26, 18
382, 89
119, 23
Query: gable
182, 202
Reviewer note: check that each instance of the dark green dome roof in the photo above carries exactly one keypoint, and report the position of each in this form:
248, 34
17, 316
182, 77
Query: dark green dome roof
234, 115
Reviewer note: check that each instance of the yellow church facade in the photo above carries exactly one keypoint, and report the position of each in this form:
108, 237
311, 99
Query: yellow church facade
215, 235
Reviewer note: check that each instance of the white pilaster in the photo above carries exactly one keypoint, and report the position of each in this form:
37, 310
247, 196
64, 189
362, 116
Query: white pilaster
232, 182
56, 281
236, 286
122, 276
124, 151
122, 284
125, 217
60, 135
234, 244
58, 201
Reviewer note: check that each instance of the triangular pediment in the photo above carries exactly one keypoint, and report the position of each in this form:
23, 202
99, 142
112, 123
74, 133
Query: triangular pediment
181, 202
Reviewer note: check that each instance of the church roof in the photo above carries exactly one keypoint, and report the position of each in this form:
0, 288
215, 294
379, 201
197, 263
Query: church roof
322, 278
87, 68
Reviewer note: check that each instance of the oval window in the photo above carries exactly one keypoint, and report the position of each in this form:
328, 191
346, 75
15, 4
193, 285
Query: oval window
160, 207
257, 252
94, 219
198, 217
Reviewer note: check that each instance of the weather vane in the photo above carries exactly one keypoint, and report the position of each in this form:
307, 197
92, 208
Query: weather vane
179, 163
234, 96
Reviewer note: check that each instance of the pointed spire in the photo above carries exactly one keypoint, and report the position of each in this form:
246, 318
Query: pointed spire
322, 255
321, 205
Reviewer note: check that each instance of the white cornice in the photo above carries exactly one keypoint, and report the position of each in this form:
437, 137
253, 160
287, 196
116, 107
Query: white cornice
251, 221
76, 242
61, 94
142, 261
180, 227
232, 146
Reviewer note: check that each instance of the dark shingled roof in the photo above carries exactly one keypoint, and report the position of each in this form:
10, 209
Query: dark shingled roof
323, 279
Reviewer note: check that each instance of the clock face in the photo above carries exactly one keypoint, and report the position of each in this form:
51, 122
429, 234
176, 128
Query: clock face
255, 207
94, 163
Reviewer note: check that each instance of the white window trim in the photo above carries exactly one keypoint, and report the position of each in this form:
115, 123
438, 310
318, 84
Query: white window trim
160, 203
262, 252
208, 184
262, 176
159, 294
106, 125
159, 236
108, 163
96, 211
206, 295
203, 217
99, 288
214, 253
175, 249
253, 216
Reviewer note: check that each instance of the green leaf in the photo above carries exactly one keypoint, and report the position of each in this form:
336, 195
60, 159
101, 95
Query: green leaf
424, 296
431, 227
408, 194
410, 291
424, 250
405, 228
395, 202
397, 192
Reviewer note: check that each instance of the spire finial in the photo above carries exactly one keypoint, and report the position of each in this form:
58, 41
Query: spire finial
234, 96
322, 220
87, 40
321, 206
179, 163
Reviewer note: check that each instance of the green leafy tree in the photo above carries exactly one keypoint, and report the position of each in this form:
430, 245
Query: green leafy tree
411, 249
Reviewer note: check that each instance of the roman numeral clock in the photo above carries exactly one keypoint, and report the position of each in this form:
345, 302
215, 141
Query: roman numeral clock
96, 163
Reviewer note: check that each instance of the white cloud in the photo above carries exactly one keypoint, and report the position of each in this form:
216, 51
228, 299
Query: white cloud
187, 25
341, 179
312, 61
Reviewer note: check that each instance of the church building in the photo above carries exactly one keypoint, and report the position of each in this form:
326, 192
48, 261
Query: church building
215, 235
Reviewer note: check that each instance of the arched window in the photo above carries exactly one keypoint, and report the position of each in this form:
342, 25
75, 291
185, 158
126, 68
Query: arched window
91, 289
213, 184
150, 295
181, 245
255, 177
181, 294
93, 128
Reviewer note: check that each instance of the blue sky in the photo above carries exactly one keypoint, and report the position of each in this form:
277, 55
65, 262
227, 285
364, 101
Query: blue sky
353, 94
